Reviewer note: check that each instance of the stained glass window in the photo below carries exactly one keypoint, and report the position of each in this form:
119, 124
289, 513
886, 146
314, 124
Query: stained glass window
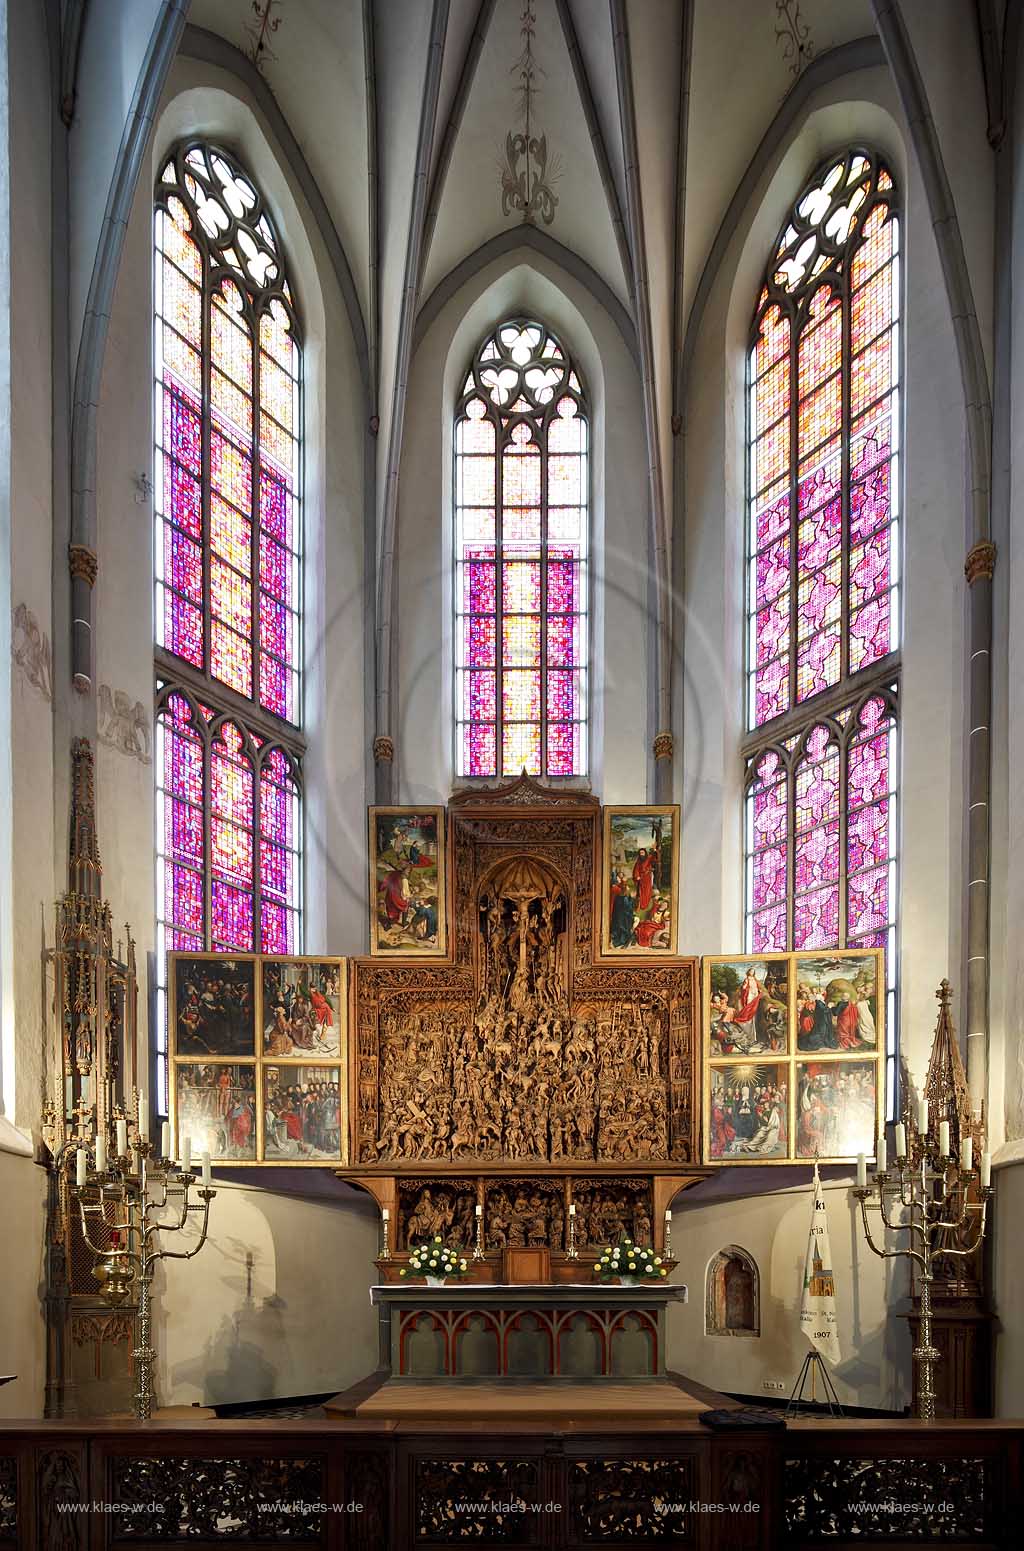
823, 555
228, 411
227, 569
823, 573
521, 535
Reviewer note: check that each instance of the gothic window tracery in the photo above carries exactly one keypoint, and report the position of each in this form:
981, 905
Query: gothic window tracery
228, 541
521, 557
823, 573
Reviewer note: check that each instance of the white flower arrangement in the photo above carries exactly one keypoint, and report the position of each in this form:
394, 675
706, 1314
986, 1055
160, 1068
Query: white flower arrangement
435, 1258
631, 1260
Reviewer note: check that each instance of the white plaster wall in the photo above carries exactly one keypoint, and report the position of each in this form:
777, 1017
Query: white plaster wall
524, 282
933, 485
31, 515
274, 1305
874, 1366
1008, 837
1008, 1208
22, 1331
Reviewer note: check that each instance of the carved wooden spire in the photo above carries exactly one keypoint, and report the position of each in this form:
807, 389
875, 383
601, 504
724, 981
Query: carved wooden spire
945, 1086
84, 867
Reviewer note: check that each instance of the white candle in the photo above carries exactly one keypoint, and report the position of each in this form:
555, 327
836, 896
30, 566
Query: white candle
967, 1153
101, 1153
943, 1138
862, 1171
143, 1120
882, 1153
572, 1209
901, 1140
922, 1116
206, 1169
165, 1139
186, 1155
122, 1137
986, 1169
80, 1168
668, 1216
479, 1211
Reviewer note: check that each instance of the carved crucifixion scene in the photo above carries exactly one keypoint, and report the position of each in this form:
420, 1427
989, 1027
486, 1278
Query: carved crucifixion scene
525, 1049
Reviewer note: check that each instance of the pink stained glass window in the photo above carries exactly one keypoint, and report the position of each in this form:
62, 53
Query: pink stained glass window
228, 561
521, 542
229, 411
823, 415
823, 575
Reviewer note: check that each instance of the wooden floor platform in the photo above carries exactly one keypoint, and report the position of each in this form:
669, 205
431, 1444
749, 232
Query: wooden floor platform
557, 1402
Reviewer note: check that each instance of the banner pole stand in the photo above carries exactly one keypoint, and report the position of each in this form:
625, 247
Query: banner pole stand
814, 1364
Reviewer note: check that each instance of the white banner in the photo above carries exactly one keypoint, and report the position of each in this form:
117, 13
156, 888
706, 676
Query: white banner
818, 1301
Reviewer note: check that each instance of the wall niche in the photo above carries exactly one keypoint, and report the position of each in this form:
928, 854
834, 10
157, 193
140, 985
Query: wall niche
732, 1305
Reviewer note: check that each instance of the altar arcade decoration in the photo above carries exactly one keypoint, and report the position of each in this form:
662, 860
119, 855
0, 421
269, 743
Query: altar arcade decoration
258, 1049
528, 1074
794, 1052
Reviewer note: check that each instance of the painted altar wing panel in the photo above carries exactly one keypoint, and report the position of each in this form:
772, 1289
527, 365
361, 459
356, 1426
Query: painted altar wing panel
407, 882
302, 1113
640, 881
749, 1107
837, 1109
215, 1108
747, 1005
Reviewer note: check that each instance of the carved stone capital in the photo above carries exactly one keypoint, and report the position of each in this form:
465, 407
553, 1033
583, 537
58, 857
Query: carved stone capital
981, 562
82, 563
664, 745
383, 749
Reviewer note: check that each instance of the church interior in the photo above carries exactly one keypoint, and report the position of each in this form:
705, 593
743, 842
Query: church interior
509, 1028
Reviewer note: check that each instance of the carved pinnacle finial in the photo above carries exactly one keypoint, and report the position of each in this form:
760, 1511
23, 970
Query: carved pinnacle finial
84, 866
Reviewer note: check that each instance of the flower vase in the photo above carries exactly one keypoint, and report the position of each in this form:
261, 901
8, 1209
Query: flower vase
435, 1281
630, 1281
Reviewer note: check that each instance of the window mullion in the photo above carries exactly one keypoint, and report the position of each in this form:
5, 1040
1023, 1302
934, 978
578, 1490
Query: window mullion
499, 597
846, 345
791, 771
206, 464
254, 504
540, 431
259, 755
207, 835
794, 507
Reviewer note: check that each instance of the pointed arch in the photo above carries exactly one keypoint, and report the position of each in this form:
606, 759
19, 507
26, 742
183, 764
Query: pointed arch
522, 532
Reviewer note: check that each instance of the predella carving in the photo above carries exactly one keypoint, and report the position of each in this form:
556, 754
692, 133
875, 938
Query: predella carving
524, 1050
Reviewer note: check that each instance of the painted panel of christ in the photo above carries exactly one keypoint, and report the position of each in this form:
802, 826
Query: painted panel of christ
302, 1007
840, 1001
215, 1107
407, 882
640, 879
213, 1005
747, 1005
301, 1114
837, 1114
748, 1112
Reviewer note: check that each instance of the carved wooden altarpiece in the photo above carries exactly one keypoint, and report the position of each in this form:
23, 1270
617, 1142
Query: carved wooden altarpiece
524, 1073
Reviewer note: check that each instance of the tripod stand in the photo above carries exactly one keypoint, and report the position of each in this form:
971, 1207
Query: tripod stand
814, 1364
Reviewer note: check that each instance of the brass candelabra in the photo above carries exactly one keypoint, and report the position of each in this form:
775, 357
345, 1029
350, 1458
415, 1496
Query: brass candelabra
932, 1191
127, 1194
